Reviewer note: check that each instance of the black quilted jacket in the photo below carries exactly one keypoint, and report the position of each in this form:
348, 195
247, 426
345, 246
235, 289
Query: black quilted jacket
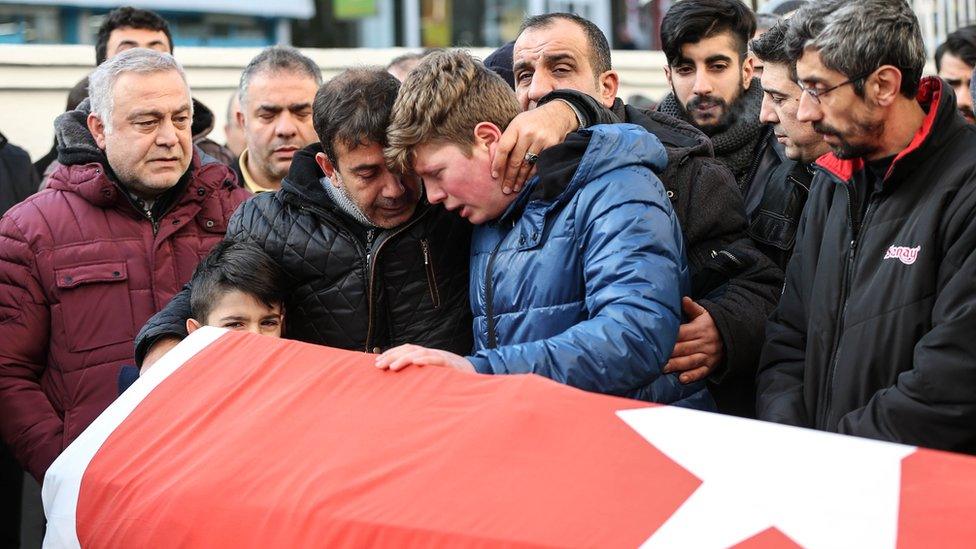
408, 286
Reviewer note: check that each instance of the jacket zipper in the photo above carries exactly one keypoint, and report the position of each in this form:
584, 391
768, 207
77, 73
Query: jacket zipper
431, 279
489, 294
857, 230
371, 270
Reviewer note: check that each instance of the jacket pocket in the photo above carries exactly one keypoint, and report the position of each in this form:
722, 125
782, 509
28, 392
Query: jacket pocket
774, 229
96, 307
435, 296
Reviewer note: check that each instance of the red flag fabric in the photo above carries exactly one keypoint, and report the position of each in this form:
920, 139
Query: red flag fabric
238, 440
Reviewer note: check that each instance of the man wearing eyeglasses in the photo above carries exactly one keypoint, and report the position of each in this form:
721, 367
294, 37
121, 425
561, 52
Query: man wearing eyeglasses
873, 336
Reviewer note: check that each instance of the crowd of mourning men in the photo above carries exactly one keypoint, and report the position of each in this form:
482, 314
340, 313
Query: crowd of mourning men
795, 246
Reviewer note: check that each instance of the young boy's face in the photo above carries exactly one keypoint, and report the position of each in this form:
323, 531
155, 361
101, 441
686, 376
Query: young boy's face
236, 310
461, 182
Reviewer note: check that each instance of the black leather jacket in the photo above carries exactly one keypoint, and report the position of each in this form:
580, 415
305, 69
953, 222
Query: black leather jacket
348, 288
774, 201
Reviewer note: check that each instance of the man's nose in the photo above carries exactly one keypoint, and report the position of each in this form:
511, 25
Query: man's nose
167, 135
767, 114
286, 126
393, 187
541, 85
809, 109
435, 193
703, 84
963, 99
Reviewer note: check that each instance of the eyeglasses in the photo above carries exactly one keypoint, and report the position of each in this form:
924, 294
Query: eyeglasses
816, 94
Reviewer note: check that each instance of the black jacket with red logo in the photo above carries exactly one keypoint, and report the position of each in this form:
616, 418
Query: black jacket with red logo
875, 334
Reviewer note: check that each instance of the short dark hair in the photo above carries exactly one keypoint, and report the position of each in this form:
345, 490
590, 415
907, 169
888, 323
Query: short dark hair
353, 108
771, 48
128, 17
277, 59
961, 43
599, 47
691, 21
241, 266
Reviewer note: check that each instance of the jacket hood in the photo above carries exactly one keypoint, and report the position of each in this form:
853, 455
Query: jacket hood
304, 177
681, 138
75, 143
203, 121
941, 120
585, 156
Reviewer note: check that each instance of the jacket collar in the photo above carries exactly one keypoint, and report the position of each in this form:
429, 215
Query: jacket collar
676, 134
98, 187
940, 104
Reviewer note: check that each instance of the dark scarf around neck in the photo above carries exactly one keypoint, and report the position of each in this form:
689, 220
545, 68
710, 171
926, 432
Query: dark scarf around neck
734, 146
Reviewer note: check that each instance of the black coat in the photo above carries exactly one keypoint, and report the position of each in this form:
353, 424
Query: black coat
875, 334
731, 279
409, 286
775, 199
18, 180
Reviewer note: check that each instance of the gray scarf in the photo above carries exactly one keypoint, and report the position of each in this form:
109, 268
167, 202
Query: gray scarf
346, 204
734, 146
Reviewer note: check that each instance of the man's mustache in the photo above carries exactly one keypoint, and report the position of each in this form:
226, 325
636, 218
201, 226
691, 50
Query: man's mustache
699, 102
824, 129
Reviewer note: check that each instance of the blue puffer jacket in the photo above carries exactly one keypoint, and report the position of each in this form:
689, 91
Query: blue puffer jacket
581, 279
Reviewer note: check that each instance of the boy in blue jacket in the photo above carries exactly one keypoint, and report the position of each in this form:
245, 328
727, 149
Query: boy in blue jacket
577, 278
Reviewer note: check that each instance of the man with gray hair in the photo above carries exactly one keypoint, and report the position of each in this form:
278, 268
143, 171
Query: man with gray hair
276, 92
84, 263
874, 334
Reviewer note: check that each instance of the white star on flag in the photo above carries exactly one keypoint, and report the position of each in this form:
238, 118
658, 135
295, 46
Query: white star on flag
819, 489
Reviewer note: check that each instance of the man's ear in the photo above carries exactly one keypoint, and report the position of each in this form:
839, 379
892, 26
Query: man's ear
192, 325
97, 129
328, 169
667, 74
486, 135
240, 118
884, 86
609, 83
748, 71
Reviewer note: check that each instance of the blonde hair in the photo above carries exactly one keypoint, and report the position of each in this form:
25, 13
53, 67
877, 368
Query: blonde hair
442, 100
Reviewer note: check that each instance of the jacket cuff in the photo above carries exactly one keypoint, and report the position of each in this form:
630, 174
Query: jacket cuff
589, 111
722, 368
481, 364
147, 340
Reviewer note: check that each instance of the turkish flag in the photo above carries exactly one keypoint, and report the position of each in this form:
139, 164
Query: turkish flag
258, 442
238, 440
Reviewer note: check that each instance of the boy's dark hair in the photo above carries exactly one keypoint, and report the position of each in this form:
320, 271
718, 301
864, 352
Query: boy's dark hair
353, 108
691, 21
599, 47
771, 48
961, 43
241, 266
128, 17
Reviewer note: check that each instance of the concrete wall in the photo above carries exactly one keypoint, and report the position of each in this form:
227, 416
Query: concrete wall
34, 81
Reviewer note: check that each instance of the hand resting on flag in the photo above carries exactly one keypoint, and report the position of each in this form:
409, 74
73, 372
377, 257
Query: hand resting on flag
400, 357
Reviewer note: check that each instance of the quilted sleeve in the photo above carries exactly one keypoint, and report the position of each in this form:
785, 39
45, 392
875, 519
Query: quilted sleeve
28, 421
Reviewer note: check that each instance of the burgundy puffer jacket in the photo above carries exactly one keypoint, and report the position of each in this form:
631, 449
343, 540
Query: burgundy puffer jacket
81, 270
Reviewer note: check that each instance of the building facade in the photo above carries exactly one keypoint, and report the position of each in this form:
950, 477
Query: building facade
210, 23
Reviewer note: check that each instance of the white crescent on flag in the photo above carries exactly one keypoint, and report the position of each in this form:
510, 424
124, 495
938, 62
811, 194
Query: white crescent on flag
238, 440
